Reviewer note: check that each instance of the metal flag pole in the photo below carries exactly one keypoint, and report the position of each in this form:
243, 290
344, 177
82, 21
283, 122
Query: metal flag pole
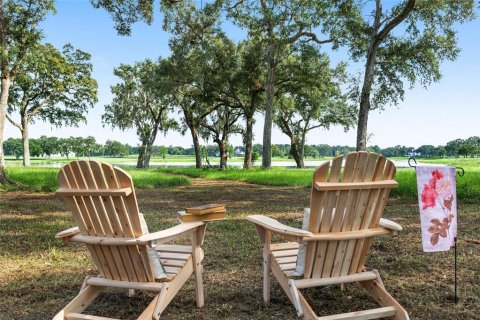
455, 299
460, 173
455, 294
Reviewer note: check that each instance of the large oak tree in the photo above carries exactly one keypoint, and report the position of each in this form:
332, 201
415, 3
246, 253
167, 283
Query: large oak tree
53, 86
140, 103
400, 41
19, 33
309, 96
281, 24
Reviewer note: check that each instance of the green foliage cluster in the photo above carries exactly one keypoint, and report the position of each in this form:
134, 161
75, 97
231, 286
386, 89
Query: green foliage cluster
79, 146
469, 147
286, 73
45, 83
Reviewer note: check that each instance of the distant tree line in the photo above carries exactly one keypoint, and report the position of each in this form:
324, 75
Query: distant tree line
66, 147
88, 147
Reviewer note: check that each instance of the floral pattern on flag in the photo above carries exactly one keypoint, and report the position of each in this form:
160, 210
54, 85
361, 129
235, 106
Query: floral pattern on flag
438, 207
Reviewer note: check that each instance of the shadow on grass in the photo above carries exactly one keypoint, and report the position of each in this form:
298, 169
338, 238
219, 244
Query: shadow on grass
40, 276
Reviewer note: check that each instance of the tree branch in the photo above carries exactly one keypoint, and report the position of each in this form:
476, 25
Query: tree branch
206, 113
236, 5
16, 124
312, 37
396, 20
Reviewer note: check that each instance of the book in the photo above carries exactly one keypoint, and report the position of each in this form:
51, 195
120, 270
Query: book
206, 208
216, 215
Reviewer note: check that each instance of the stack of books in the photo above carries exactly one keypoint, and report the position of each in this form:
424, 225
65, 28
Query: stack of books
207, 212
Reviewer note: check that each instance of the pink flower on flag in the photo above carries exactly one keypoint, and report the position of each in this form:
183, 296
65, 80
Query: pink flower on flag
444, 188
437, 175
437, 207
429, 196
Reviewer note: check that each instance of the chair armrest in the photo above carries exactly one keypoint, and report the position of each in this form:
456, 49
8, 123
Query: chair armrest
158, 237
385, 223
170, 233
277, 227
67, 233
347, 235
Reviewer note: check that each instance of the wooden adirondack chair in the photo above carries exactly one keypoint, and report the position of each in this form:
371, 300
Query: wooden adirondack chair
345, 215
103, 203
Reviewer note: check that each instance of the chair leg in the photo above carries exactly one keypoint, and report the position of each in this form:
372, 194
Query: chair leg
84, 298
377, 291
161, 304
147, 314
308, 313
199, 293
266, 267
197, 239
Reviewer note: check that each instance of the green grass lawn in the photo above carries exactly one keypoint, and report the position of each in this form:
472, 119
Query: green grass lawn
45, 179
40, 275
468, 186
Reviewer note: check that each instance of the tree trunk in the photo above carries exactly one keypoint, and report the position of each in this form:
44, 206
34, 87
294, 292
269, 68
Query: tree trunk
267, 128
365, 101
296, 154
247, 162
367, 83
196, 147
223, 153
26, 142
363, 121
148, 155
5, 88
301, 150
141, 156
149, 148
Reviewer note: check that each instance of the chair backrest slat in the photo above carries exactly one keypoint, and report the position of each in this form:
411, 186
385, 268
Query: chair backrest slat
345, 210
327, 213
132, 257
78, 207
108, 216
316, 205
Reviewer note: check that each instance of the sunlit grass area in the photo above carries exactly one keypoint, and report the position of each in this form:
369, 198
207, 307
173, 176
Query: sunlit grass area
40, 275
45, 179
468, 186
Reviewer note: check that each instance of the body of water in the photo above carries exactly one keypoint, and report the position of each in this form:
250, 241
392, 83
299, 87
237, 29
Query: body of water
284, 164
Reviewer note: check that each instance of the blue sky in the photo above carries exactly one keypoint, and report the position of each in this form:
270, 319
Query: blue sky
444, 111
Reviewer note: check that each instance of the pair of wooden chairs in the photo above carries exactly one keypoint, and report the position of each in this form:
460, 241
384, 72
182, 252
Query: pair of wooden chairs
344, 216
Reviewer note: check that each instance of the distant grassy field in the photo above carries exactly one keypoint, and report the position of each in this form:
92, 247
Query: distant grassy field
45, 179
468, 186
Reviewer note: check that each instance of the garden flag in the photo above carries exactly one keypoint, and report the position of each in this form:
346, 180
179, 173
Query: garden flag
437, 198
